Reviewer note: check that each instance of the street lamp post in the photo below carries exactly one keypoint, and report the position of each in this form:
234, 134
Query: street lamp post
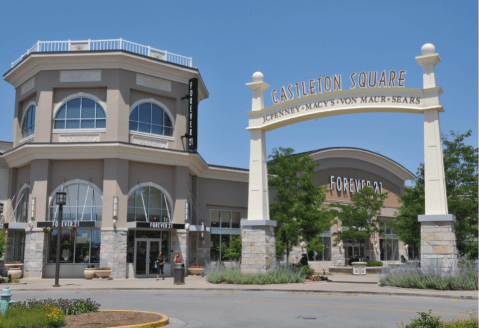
61, 198
1, 210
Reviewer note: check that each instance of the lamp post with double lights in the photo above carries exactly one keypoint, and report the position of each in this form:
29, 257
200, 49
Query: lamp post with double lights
61, 199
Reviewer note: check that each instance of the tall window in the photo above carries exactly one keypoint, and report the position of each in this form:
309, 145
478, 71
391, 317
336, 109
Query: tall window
81, 113
150, 118
325, 255
21, 206
28, 126
84, 203
226, 220
148, 204
388, 242
80, 247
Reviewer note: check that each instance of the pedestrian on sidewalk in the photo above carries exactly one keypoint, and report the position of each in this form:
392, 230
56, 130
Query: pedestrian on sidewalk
178, 258
160, 260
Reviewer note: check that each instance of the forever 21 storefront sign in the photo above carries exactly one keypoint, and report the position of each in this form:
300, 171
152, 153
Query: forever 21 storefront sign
159, 225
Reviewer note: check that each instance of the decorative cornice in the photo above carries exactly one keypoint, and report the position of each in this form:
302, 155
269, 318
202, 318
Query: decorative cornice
138, 153
37, 62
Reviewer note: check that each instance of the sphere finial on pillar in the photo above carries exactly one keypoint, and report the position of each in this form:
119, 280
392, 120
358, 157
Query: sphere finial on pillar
258, 77
428, 49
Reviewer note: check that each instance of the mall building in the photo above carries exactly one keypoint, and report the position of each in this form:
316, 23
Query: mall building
114, 125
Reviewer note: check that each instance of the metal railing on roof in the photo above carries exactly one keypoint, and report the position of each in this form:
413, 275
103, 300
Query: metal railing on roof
101, 45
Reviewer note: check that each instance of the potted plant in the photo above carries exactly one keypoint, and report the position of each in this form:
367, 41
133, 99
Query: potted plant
47, 229
89, 272
14, 268
195, 269
72, 229
103, 272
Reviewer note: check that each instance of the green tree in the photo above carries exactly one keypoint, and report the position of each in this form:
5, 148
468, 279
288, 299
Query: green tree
298, 205
3, 241
360, 217
233, 250
461, 171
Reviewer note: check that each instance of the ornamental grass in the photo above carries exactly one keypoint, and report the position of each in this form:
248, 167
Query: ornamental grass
426, 320
462, 277
234, 276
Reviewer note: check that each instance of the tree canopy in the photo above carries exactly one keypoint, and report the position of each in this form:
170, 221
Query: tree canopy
461, 172
298, 205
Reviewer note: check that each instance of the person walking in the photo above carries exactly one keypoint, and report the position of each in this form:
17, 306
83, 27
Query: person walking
160, 260
178, 258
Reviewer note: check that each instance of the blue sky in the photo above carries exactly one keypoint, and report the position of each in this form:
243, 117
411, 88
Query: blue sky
288, 42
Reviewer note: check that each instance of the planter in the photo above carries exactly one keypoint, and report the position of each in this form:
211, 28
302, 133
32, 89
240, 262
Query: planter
15, 270
195, 270
102, 273
89, 273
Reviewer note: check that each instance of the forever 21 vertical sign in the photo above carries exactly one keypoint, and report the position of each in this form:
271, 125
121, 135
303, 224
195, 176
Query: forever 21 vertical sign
193, 115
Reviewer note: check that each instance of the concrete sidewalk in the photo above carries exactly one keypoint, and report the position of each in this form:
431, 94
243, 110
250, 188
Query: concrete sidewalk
338, 284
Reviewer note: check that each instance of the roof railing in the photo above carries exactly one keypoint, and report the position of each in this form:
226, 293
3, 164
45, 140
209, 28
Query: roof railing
101, 45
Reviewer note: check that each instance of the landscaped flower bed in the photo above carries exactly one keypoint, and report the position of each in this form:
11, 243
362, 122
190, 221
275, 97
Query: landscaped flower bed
45, 313
234, 276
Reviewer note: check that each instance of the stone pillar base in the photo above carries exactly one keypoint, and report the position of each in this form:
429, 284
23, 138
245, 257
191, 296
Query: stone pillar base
35, 253
259, 253
438, 242
113, 251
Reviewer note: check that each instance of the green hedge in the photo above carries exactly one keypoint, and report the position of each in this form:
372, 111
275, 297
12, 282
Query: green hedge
374, 263
234, 276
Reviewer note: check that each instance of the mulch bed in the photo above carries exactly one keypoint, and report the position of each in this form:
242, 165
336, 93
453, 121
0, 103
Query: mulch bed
103, 319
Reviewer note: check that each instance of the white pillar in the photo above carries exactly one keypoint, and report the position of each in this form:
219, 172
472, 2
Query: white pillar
434, 178
258, 202
257, 233
438, 239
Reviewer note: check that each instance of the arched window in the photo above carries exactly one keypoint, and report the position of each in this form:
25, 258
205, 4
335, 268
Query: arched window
80, 113
148, 204
84, 203
28, 126
150, 118
21, 206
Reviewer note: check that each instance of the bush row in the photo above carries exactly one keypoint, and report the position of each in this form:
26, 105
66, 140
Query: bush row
234, 276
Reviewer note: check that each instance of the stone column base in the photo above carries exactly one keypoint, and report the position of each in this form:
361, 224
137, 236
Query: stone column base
113, 251
259, 253
438, 242
35, 253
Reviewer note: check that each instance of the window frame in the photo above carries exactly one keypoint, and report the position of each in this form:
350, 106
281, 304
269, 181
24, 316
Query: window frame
74, 246
231, 218
31, 106
384, 235
149, 185
150, 134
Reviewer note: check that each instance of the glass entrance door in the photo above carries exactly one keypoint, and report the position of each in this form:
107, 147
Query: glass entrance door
145, 256
353, 251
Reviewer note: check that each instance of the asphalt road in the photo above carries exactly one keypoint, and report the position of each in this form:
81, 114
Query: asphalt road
267, 309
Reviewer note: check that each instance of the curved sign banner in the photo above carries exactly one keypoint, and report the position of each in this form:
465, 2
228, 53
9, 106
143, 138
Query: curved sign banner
402, 100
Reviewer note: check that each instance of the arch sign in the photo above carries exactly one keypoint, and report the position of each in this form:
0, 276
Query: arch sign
321, 97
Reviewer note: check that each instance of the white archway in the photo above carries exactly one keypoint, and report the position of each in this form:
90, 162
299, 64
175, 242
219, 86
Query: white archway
424, 101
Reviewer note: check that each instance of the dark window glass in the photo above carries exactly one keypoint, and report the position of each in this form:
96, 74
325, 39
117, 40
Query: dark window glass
133, 126
145, 113
59, 124
61, 112
95, 246
100, 124
73, 124
88, 108
150, 118
215, 243
215, 219
81, 113
130, 246
157, 115
88, 124
235, 220
144, 128
73, 108
28, 122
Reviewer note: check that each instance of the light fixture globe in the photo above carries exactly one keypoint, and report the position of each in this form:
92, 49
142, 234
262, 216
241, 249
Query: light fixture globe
61, 198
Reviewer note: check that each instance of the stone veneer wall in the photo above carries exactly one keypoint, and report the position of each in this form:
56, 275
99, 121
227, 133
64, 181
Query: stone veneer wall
181, 246
438, 245
113, 252
258, 253
35, 255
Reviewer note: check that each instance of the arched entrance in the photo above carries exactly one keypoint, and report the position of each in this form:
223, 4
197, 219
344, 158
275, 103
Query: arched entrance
258, 254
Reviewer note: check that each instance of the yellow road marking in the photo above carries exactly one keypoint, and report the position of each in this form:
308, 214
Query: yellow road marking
124, 291
99, 290
148, 291
227, 291
454, 301
197, 291
394, 297
422, 298
75, 291
283, 303
173, 291
362, 296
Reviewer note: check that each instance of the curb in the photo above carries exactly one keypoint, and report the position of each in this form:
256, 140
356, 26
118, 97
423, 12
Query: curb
393, 293
155, 324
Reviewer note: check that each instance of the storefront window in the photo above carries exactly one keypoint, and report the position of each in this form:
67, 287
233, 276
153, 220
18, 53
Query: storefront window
225, 219
81, 247
215, 243
325, 255
18, 242
148, 204
84, 203
388, 242
21, 214
215, 219
130, 246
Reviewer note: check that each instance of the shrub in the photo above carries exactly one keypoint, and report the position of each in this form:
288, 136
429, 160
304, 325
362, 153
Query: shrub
462, 278
38, 315
69, 307
374, 263
306, 270
234, 276
427, 321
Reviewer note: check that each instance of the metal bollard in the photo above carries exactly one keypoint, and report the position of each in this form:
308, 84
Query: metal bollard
5, 299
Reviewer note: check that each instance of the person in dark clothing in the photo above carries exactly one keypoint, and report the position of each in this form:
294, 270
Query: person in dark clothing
160, 260
403, 259
304, 260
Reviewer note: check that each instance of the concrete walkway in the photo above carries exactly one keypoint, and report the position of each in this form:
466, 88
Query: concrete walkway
338, 284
